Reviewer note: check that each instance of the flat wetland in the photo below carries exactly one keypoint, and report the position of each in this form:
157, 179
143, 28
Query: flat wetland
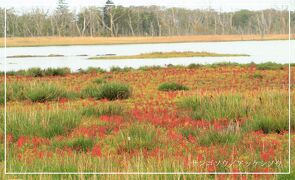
172, 118
150, 120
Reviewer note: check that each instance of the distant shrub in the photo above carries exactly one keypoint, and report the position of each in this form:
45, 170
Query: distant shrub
269, 66
114, 90
223, 64
194, 66
57, 71
93, 70
35, 72
146, 68
172, 87
116, 69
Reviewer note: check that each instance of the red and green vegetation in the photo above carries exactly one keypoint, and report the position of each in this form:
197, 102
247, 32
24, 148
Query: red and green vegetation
217, 118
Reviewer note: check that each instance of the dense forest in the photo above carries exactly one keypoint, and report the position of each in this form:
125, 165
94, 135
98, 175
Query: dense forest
112, 20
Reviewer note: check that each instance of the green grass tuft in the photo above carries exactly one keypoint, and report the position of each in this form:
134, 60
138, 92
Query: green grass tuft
114, 90
109, 109
46, 92
172, 87
79, 144
42, 124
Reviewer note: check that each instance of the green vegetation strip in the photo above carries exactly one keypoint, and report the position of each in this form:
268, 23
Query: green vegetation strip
173, 54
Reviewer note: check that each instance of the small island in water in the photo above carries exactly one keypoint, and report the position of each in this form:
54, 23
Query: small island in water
173, 54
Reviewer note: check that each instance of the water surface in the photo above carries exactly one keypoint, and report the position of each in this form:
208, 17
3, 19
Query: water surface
259, 51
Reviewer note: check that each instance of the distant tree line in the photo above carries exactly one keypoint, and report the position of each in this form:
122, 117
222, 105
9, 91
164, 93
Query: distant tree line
112, 20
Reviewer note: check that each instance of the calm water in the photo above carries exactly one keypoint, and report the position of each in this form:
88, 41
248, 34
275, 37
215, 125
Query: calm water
259, 51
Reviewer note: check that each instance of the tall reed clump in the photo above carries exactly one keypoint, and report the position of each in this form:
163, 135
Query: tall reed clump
270, 113
215, 107
42, 123
110, 91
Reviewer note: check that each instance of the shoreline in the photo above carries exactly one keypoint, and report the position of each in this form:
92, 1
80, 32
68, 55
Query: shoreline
73, 41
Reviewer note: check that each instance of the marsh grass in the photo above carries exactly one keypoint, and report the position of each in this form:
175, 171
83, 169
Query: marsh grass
258, 110
42, 123
213, 137
171, 86
215, 107
186, 132
109, 90
115, 90
138, 137
92, 91
43, 92
79, 144
270, 113
109, 109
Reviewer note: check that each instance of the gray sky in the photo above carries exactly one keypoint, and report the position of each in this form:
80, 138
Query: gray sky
224, 5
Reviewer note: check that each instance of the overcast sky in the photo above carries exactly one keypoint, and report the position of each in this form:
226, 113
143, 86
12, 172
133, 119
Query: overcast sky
224, 5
